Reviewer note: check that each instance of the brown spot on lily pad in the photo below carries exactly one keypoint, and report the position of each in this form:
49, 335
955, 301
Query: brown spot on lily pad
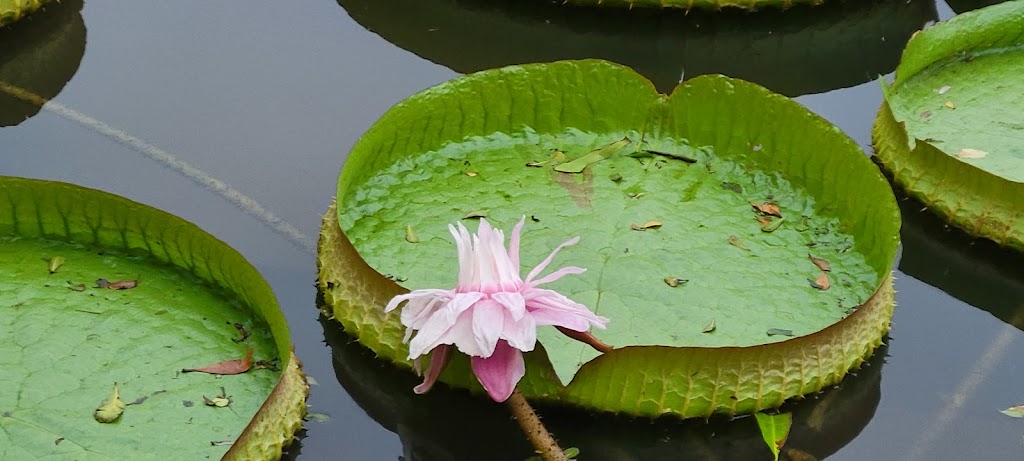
674, 281
118, 285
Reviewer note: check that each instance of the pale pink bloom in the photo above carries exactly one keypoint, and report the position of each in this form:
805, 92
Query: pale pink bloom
492, 315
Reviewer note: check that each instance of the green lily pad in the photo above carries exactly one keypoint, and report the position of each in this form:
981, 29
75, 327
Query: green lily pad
38, 58
140, 297
838, 47
951, 128
409, 169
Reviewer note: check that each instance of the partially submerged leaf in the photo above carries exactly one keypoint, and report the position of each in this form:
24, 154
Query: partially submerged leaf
779, 332
971, 153
111, 408
55, 263
1014, 412
594, 156
820, 263
409, 235
556, 158
774, 430
228, 367
736, 242
771, 225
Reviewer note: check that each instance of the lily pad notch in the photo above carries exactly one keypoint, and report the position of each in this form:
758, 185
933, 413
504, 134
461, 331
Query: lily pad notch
724, 120
950, 130
90, 223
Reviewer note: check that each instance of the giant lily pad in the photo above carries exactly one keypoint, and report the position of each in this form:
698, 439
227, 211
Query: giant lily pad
821, 425
794, 52
951, 128
66, 337
38, 58
463, 147
13, 10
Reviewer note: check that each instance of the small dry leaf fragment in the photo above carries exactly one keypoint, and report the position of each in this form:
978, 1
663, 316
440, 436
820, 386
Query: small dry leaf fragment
317, 417
55, 263
651, 225
556, 158
971, 153
476, 214
671, 155
822, 282
219, 401
820, 263
58, 441
768, 208
471, 174
222, 443
736, 242
409, 235
241, 331
111, 408
1014, 412
770, 225
709, 327
944, 89
119, 285
674, 281
950, 105
268, 365
228, 367
615, 177
76, 287
779, 332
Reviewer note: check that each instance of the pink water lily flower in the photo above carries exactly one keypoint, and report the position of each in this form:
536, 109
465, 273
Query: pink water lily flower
493, 314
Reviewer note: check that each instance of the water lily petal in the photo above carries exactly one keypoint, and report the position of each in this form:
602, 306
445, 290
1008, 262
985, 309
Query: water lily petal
557, 275
463, 244
500, 372
513, 301
513, 245
549, 307
419, 308
442, 327
488, 323
540, 267
438, 359
521, 334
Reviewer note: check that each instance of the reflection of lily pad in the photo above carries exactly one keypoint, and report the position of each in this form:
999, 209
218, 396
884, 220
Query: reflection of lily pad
409, 169
799, 51
66, 341
977, 273
822, 425
951, 129
39, 56
13, 10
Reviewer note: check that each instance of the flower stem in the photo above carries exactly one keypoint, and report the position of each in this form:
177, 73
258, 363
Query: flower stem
530, 423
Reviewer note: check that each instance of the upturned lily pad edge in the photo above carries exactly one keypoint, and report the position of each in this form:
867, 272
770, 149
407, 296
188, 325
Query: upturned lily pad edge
11, 11
68, 212
355, 293
981, 203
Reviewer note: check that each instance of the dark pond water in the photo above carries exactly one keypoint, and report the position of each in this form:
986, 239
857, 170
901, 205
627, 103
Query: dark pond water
267, 97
